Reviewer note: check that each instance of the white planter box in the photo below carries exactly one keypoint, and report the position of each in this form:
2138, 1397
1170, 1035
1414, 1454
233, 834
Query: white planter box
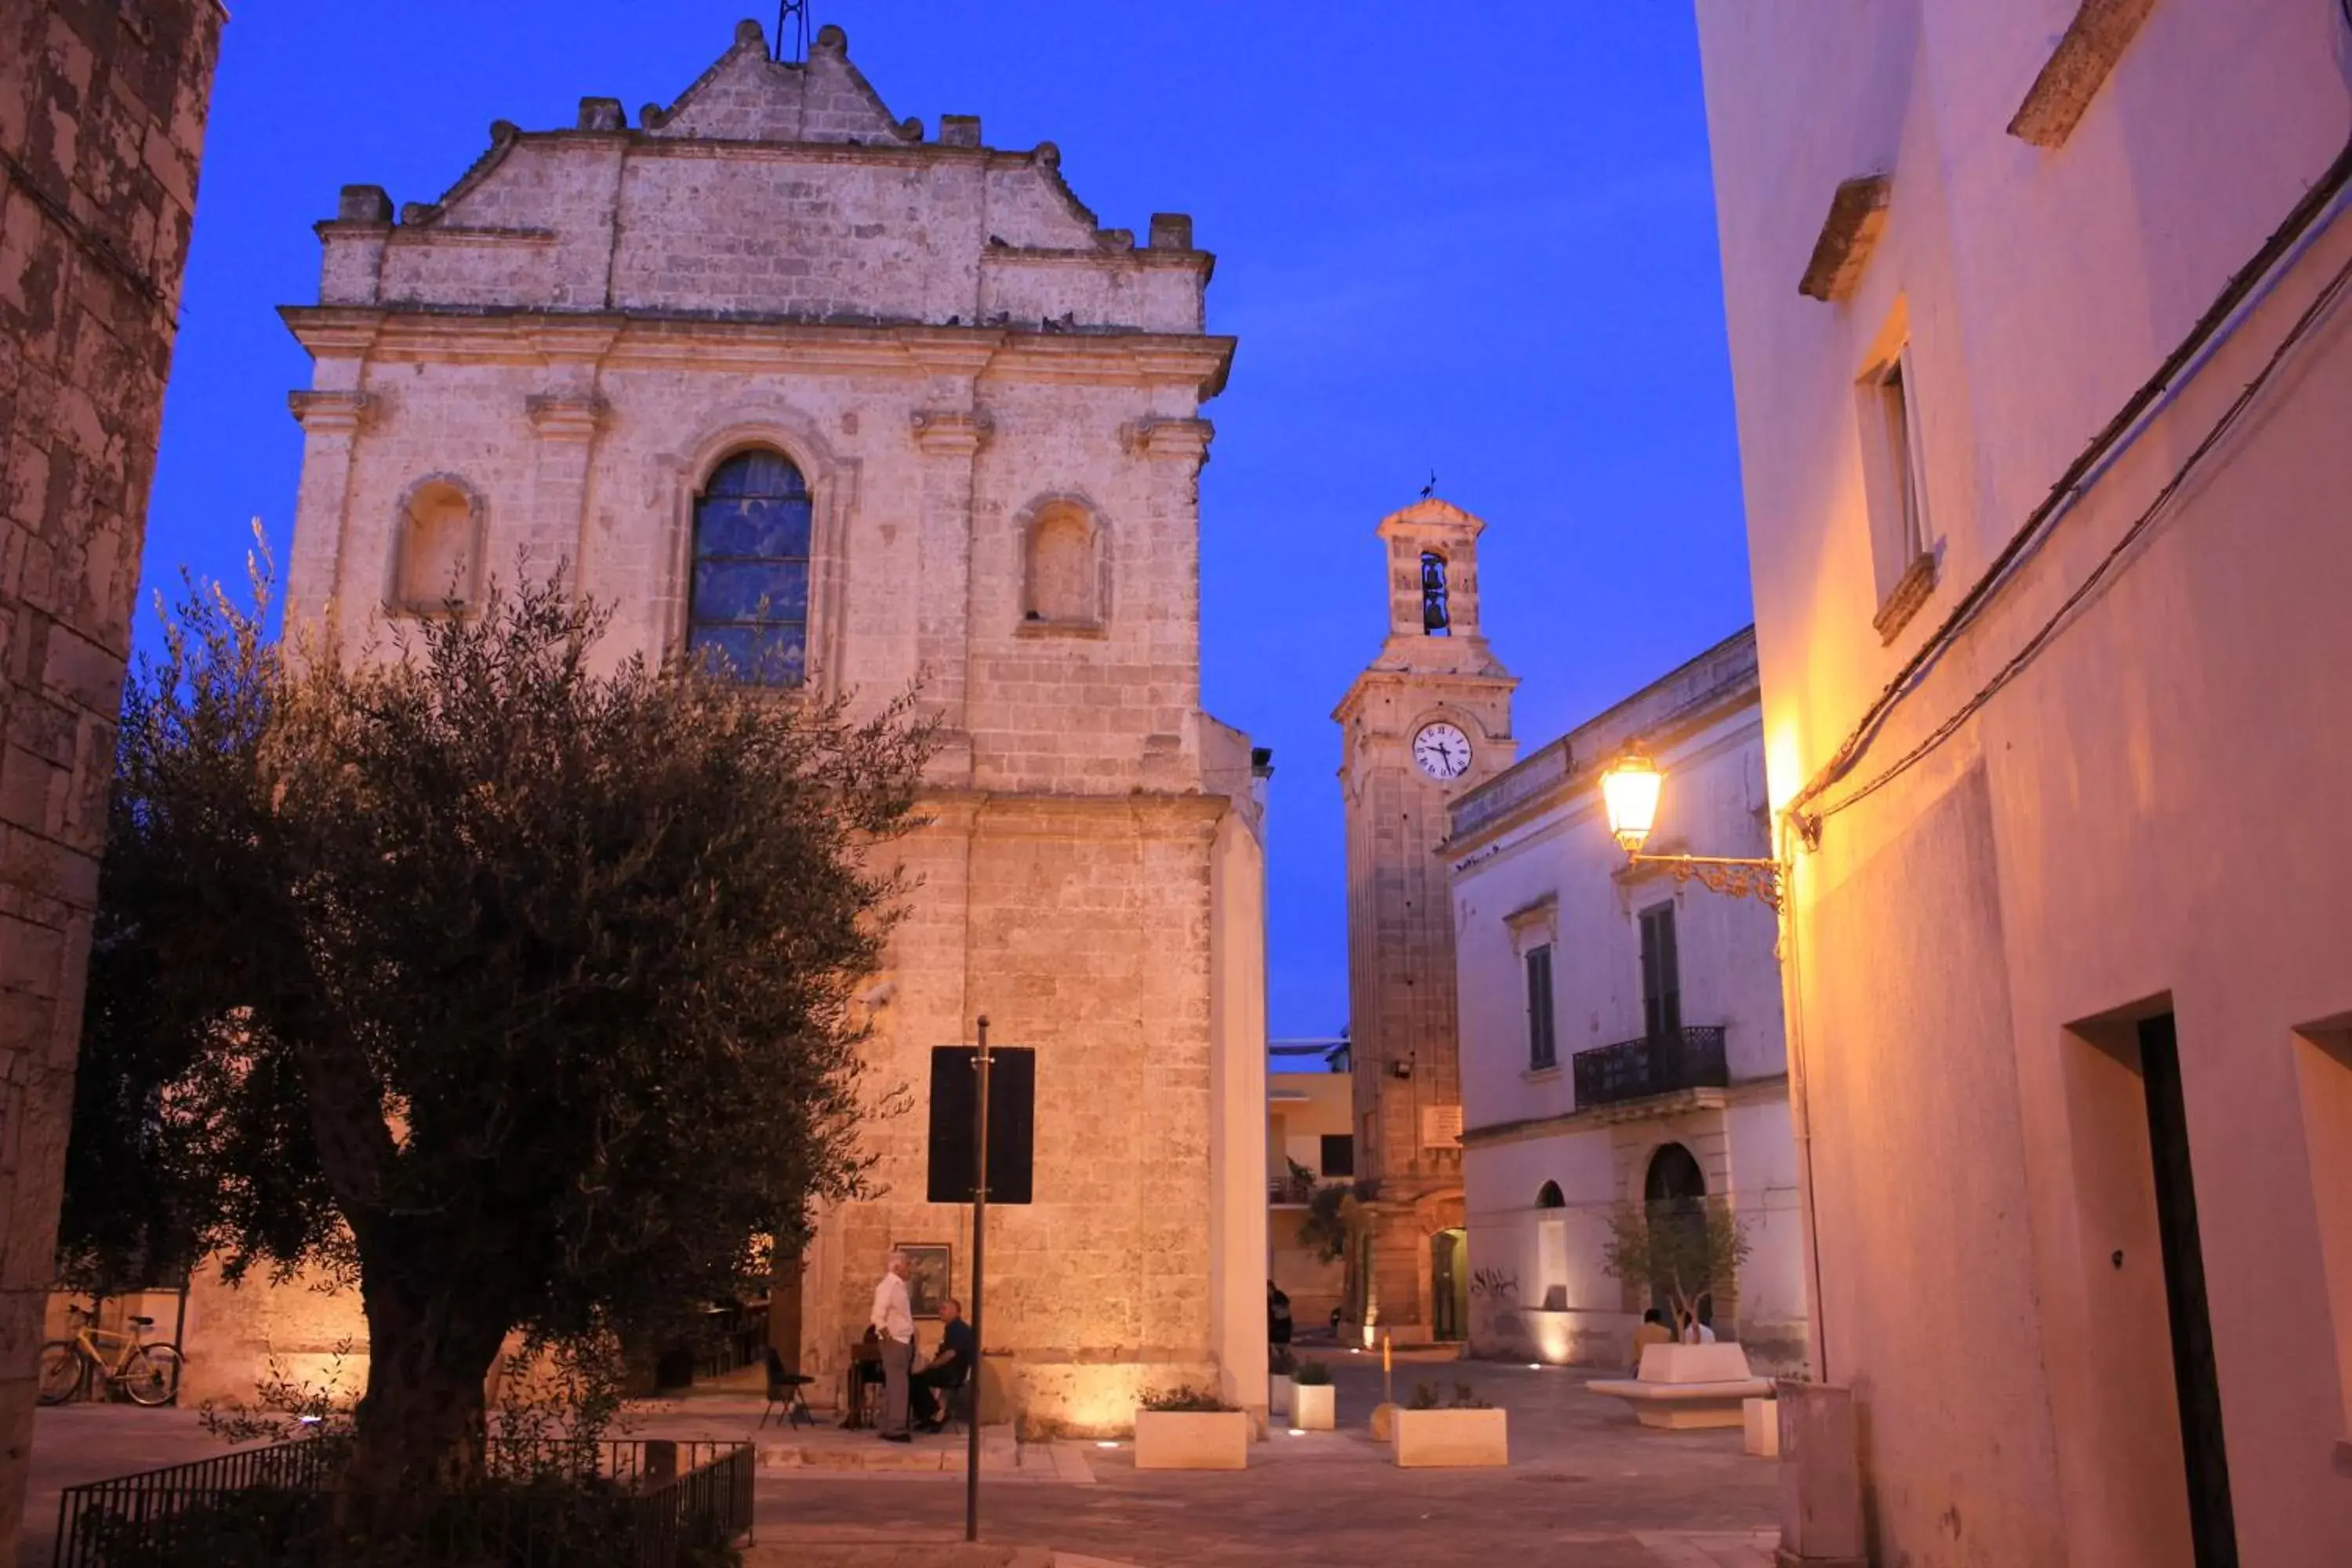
1430, 1438
1278, 1399
1191, 1439
1312, 1407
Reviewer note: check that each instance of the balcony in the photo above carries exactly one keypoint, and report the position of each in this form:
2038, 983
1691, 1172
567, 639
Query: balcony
1660, 1063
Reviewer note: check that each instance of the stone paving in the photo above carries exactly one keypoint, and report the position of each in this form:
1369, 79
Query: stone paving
1585, 1488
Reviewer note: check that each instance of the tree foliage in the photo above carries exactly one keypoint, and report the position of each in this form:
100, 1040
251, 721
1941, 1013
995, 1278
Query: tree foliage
1688, 1249
514, 983
1335, 1218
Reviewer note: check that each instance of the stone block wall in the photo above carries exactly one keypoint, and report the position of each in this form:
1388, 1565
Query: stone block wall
101, 127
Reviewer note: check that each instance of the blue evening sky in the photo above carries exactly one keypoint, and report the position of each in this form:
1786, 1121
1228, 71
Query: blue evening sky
1477, 240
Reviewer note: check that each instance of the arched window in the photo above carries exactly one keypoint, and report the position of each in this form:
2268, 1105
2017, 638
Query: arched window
1435, 619
1063, 576
440, 548
747, 606
1549, 1197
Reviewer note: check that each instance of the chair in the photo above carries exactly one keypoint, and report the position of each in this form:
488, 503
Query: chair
789, 1390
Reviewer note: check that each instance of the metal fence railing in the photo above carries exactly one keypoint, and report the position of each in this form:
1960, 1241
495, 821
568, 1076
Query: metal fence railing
1658, 1064
614, 1504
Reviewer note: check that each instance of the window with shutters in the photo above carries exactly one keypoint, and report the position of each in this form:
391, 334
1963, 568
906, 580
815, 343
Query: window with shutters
1661, 983
1543, 1049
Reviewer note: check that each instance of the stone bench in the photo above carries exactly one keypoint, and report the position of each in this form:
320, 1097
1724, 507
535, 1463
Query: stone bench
1683, 1386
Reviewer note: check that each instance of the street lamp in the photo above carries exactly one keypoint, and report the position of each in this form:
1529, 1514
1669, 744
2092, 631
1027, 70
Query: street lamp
1629, 789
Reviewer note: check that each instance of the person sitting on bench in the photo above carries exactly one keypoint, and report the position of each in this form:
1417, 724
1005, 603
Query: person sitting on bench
947, 1369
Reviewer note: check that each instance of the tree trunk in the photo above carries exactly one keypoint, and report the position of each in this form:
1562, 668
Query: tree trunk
421, 1426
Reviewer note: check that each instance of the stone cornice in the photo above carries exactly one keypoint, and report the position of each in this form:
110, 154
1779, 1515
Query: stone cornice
950, 432
1169, 440
991, 815
1469, 683
1650, 1108
518, 337
565, 415
331, 413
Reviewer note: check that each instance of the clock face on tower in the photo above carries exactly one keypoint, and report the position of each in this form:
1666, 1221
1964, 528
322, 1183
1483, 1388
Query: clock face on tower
1443, 751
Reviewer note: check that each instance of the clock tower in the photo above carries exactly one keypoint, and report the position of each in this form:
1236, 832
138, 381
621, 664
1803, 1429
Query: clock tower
1430, 718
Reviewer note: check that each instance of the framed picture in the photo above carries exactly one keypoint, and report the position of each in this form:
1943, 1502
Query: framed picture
929, 1276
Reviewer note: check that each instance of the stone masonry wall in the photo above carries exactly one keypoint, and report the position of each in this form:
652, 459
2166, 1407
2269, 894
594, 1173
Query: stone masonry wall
101, 126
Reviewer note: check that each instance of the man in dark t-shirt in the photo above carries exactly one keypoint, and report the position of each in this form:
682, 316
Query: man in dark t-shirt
948, 1367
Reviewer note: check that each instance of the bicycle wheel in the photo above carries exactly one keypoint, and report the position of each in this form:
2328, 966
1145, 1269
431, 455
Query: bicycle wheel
152, 1375
62, 1370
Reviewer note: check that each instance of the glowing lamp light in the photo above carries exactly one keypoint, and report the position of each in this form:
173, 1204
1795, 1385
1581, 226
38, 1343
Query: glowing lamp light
1298, 1431
1105, 1442
1629, 792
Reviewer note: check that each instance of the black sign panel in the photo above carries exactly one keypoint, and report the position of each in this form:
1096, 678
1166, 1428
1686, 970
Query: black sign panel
1012, 1122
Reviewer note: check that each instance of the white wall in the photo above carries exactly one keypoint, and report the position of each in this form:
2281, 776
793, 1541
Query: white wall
2148, 816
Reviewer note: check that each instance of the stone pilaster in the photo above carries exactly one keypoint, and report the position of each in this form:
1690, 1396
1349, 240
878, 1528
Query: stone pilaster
321, 576
556, 539
950, 434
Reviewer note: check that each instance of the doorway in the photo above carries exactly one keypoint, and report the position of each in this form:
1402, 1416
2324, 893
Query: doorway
1674, 1191
1449, 1284
2212, 1524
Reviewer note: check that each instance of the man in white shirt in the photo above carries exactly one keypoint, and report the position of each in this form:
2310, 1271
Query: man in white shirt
894, 1331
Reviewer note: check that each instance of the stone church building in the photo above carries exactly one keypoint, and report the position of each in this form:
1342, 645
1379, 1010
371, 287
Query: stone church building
773, 372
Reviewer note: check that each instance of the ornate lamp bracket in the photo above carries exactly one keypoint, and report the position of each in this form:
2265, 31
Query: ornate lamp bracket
1758, 880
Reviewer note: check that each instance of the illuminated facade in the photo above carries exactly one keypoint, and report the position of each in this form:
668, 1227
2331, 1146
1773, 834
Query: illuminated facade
1621, 1033
2042, 431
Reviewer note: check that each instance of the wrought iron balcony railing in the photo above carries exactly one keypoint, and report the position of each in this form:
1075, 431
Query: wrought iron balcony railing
1659, 1064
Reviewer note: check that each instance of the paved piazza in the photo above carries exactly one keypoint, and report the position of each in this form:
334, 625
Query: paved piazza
1585, 1488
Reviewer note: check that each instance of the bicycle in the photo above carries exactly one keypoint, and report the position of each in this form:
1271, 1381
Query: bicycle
146, 1372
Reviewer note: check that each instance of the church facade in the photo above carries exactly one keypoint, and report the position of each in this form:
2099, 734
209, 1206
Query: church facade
772, 372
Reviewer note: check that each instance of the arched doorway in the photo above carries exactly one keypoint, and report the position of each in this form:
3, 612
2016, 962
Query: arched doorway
1673, 1177
1449, 1284
1674, 1189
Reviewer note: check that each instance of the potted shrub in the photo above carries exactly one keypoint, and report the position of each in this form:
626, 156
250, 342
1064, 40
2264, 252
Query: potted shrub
1313, 1407
1189, 1429
1457, 1431
1280, 1367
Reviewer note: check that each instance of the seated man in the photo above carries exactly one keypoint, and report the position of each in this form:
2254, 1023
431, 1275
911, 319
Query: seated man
948, 1367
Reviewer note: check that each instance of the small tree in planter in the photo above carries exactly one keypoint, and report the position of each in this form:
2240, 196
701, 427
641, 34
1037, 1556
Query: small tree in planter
1690, 1249
1313, 1406
1191, 1430
1280, 1366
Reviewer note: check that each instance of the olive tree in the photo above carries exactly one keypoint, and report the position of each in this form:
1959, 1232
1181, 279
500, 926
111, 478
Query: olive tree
514, 983
1686, 1248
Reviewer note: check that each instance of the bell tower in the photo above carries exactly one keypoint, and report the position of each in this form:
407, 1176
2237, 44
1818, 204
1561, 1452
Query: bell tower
1430, 718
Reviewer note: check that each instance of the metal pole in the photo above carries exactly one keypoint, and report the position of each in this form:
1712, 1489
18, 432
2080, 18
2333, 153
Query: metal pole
980, 1063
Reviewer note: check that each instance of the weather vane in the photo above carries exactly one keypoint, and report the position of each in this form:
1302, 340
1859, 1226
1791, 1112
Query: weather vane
1430, 489
792, 32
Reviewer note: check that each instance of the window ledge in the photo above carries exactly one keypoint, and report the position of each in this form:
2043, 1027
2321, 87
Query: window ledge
1061, 629
2076, 70
1903, 601
1541, 1075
